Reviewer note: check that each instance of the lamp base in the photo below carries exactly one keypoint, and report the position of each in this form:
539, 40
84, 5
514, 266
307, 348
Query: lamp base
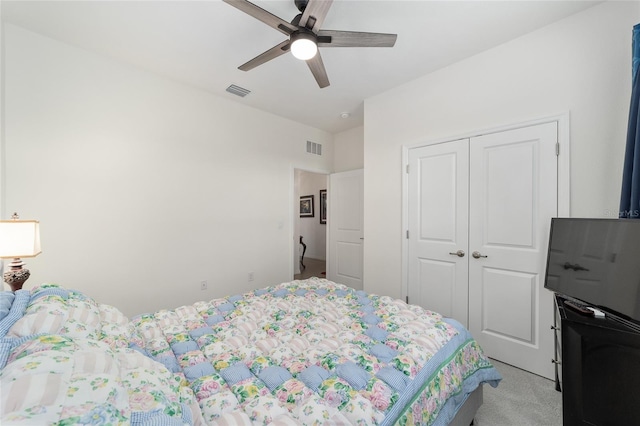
17, 275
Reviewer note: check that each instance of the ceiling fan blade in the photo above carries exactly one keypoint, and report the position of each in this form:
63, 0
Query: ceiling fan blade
270, 54
331, 38
314, 14
262, 15
317, 69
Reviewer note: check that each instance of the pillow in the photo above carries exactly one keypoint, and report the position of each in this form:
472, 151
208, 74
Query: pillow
49, 290
6, 300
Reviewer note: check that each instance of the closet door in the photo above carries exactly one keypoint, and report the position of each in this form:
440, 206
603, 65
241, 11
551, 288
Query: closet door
438, 228
513, 195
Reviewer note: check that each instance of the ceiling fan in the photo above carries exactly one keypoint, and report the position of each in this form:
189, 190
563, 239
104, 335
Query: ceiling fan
305, 35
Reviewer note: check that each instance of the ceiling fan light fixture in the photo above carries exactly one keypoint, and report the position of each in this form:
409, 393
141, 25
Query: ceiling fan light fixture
303, 45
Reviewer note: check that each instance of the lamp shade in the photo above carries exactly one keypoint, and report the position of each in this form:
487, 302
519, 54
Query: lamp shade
19, 238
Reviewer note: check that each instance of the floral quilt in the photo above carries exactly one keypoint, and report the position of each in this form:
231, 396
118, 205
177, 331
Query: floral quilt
313, 352
304, 352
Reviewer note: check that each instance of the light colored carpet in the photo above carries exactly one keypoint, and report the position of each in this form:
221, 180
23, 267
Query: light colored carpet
522, 399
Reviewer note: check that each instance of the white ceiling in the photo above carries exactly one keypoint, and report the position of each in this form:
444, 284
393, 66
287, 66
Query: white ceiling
201, 43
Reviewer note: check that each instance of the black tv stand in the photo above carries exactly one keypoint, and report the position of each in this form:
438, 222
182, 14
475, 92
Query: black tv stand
597, 368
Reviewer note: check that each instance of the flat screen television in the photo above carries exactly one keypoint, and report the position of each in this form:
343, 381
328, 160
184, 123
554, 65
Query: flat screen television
597, 261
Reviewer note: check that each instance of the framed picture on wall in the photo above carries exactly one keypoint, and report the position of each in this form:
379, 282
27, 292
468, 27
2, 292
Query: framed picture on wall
323, 206
306, 206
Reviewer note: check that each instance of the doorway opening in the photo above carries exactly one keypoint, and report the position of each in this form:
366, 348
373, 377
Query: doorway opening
310, 229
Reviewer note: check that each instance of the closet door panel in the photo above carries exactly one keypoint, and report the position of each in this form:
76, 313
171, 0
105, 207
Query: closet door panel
437, 284
510, 188
438, 228
512, 320
513, 196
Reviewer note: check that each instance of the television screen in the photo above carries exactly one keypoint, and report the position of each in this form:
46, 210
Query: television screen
598, 262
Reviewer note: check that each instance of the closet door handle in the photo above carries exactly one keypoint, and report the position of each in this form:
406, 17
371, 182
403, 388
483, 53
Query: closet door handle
459, 253
477, 255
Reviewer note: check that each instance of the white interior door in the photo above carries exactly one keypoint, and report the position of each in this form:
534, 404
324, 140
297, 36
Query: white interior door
513, 196
345, 217
494, 195
438, 224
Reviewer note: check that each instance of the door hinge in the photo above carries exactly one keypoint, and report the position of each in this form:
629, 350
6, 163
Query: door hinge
407, 169
557, 149
407, 299
407, 234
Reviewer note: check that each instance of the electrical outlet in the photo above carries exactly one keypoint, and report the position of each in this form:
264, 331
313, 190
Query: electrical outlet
250, 276
203, 285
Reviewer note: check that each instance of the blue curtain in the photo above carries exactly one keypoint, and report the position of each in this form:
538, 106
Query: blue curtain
630, 198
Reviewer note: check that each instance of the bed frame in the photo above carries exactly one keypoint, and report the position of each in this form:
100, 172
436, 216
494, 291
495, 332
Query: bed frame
466, 414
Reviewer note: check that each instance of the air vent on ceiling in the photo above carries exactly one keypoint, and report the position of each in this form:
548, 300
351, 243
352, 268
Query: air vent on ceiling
237, 90
314, 148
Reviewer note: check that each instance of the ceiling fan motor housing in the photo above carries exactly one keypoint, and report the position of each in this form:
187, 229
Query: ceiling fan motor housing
301, 4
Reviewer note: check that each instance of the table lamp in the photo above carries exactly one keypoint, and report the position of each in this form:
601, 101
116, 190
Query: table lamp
18, 238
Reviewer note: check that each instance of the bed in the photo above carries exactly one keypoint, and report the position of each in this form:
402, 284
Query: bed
302, 352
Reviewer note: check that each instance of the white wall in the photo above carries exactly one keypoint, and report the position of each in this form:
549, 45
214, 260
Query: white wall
348, 151
145, 187
314, 233
580, 65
